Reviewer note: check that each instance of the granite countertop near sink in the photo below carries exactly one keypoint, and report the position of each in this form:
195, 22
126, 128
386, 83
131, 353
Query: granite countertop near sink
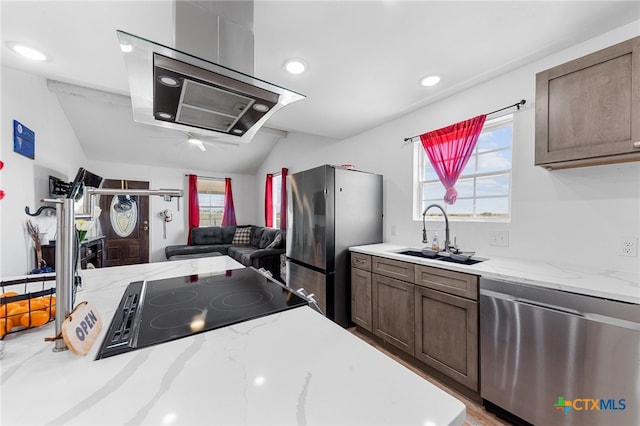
589, 280
294, 367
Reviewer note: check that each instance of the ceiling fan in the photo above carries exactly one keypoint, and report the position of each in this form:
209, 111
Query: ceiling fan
200, 141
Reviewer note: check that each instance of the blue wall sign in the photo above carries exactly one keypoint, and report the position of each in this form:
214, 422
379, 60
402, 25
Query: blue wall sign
24, 140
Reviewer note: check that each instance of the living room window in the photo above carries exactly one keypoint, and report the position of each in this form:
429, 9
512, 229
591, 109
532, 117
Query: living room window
276, 189
211, 200
484, 186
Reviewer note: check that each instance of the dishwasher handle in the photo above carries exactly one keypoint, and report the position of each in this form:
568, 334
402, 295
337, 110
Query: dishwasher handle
588, 315
554, 308
535, 304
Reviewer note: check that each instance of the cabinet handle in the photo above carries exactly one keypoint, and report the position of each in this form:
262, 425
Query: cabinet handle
636, 144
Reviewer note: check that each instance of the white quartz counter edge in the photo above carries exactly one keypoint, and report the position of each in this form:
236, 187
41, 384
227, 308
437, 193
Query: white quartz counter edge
295, 367
591, 281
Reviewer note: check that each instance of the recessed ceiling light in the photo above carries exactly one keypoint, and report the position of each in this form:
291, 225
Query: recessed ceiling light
295, 66
27, 51
238, 131
431, 80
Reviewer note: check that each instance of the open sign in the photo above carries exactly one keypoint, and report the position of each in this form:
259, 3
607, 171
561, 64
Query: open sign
81, 328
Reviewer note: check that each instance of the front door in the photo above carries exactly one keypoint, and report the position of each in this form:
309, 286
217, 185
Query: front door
125, 224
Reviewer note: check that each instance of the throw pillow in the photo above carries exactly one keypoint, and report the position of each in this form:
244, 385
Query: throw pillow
242, 235
276, 242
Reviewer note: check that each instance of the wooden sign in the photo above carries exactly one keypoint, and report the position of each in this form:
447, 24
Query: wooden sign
81, 328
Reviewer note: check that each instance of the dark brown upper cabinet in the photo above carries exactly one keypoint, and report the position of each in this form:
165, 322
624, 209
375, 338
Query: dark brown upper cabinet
588, 110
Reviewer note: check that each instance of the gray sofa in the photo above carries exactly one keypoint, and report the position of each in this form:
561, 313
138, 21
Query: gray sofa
262, 250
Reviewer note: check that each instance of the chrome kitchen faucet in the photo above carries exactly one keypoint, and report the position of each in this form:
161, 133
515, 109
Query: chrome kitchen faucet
447, 243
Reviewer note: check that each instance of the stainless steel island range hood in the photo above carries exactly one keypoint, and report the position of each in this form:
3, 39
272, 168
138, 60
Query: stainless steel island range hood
174, 89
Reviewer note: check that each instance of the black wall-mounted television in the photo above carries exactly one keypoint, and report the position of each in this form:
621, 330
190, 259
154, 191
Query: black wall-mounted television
83, 178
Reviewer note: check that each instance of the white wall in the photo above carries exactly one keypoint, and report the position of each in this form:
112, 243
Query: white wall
244, 199
575, 216
25, 98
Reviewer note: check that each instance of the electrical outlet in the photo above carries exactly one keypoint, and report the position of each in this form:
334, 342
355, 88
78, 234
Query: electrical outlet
499, 238
628, 247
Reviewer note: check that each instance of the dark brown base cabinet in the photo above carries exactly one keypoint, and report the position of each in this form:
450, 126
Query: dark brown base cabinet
447, 334
429, 313
361, 298
393, 307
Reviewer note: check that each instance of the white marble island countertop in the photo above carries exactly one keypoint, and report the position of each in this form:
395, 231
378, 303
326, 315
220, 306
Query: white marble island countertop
594, 281
295, 367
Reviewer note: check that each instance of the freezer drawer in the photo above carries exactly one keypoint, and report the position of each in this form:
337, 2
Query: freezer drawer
542, 348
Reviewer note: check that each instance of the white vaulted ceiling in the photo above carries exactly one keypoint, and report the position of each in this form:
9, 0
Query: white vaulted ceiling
365, 61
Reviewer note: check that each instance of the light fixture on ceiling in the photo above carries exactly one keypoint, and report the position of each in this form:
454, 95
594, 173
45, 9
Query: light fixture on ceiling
260, 107
197, 142
295, 66
27, 51
164, 115
169, 81
430, 80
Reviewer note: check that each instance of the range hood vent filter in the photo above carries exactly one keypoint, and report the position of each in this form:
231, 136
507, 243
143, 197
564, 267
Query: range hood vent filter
210, 108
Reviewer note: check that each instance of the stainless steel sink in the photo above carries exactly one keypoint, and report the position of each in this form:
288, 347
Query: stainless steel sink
443, 256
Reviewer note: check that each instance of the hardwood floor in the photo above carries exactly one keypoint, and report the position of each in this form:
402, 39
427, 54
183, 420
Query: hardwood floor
476, 414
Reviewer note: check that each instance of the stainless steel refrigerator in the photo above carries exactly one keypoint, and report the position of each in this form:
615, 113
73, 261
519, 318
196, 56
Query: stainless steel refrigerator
330, 209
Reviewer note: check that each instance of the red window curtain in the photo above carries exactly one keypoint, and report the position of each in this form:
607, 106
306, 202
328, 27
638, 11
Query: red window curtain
268, 201
283, 199
194, 206
449, 150
229, 212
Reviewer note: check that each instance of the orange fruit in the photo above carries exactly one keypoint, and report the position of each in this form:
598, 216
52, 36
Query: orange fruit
37, 319
50, 304
4, 309
8, 294
15, 314
5, 326
38, 304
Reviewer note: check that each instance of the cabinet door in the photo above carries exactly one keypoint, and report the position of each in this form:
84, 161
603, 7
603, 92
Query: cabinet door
588, 110
447, 334
361, 298
393, 311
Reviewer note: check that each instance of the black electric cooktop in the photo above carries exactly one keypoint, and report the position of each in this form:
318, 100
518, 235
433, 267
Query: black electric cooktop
153, 312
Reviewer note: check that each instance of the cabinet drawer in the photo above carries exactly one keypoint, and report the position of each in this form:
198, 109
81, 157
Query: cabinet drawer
393, 268
456, 283
361, 261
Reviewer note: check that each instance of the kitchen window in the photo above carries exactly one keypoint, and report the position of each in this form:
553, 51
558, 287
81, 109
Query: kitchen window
484, 186
211, 200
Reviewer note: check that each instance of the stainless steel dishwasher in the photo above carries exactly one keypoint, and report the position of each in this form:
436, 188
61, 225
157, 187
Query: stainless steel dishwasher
557, 358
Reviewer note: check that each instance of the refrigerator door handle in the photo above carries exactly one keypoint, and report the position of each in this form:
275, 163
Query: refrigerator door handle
311, 298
